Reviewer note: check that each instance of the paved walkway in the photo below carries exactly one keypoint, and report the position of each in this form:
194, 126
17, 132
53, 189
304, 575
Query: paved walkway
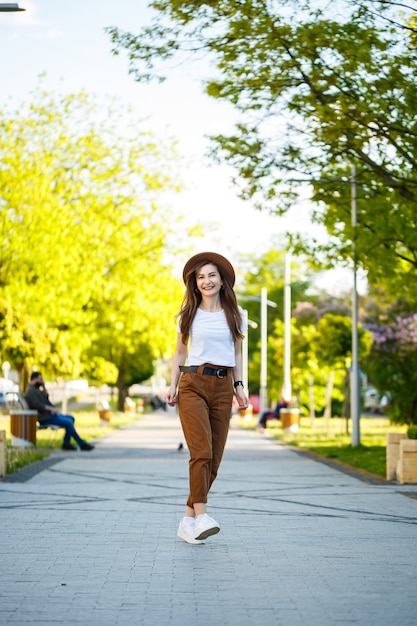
91, 539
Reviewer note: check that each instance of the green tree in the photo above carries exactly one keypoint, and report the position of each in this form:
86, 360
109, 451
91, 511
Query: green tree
26, 339
85, 236
392, 362
135, 320
316, 87
321, 344
333, 347
307, 374
268, 271
392, 365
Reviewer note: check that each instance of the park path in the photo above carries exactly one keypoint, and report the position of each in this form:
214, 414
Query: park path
90, 538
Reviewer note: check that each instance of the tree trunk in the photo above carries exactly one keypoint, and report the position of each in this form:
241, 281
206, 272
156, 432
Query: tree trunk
328, 407
346, 401
311, 400
122, 390
23, 372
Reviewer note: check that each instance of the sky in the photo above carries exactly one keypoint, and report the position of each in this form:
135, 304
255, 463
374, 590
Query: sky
65, 42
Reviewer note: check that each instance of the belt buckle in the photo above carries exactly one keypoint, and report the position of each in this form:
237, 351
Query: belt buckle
220, 373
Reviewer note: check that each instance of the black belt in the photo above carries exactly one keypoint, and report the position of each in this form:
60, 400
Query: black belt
203, 369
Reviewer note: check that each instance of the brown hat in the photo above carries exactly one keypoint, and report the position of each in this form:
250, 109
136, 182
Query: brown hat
210, 257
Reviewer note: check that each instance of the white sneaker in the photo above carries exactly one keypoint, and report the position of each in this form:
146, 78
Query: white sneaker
186, 530
205, 526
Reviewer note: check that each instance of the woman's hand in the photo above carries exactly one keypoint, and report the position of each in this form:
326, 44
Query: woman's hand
171, 395
242, 400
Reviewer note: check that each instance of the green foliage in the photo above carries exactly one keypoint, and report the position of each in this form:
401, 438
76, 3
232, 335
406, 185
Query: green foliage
85, 233
316, 89
412, 432
321, 335
321, 341
392, 362
267, 270
98, 371
333, 342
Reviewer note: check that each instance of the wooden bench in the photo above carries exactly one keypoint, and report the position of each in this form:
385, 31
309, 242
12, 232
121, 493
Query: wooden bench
23, 421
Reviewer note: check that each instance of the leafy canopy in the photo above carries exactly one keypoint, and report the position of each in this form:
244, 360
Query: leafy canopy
318, 86
84, 269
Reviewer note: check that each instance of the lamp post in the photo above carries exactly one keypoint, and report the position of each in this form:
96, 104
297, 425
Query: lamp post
287, 328
245, 351
354, 371
9, 7
263, 393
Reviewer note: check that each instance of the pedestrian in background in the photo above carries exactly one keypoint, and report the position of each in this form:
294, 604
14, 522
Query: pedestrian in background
210, 329
272, 414
37, 398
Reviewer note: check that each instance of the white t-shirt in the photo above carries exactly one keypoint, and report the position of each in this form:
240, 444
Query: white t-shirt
211, 340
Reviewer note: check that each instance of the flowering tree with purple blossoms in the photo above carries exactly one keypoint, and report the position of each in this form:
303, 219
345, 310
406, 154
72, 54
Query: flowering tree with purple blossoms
392, 365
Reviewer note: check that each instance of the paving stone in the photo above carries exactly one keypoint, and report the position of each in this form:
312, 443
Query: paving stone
90, 538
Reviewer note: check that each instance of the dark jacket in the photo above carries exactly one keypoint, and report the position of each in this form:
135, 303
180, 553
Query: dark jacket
37, 400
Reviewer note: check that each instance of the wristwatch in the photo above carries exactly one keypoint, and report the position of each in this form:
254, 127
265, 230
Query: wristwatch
238, 383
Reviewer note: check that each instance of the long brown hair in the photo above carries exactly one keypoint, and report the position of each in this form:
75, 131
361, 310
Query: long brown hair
192, 300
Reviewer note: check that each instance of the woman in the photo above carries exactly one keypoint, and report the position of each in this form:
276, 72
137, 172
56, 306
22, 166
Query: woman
212, 323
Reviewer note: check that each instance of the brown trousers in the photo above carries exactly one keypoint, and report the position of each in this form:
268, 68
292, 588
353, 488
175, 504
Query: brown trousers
204, 405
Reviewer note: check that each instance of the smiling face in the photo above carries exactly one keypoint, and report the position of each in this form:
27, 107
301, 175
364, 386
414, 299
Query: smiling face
208, 280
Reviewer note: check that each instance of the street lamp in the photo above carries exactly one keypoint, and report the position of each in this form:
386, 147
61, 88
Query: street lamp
287, 328
245, 355
8, 7
354, 372
263, 395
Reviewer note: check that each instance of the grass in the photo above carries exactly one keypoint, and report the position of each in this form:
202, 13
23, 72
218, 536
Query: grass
88, 426
18, 458
335, 443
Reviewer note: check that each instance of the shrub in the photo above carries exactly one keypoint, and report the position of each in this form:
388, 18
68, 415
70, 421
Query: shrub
412, 432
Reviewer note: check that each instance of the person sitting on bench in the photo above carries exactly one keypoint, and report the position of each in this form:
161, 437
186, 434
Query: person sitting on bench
48, 415
271, 414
